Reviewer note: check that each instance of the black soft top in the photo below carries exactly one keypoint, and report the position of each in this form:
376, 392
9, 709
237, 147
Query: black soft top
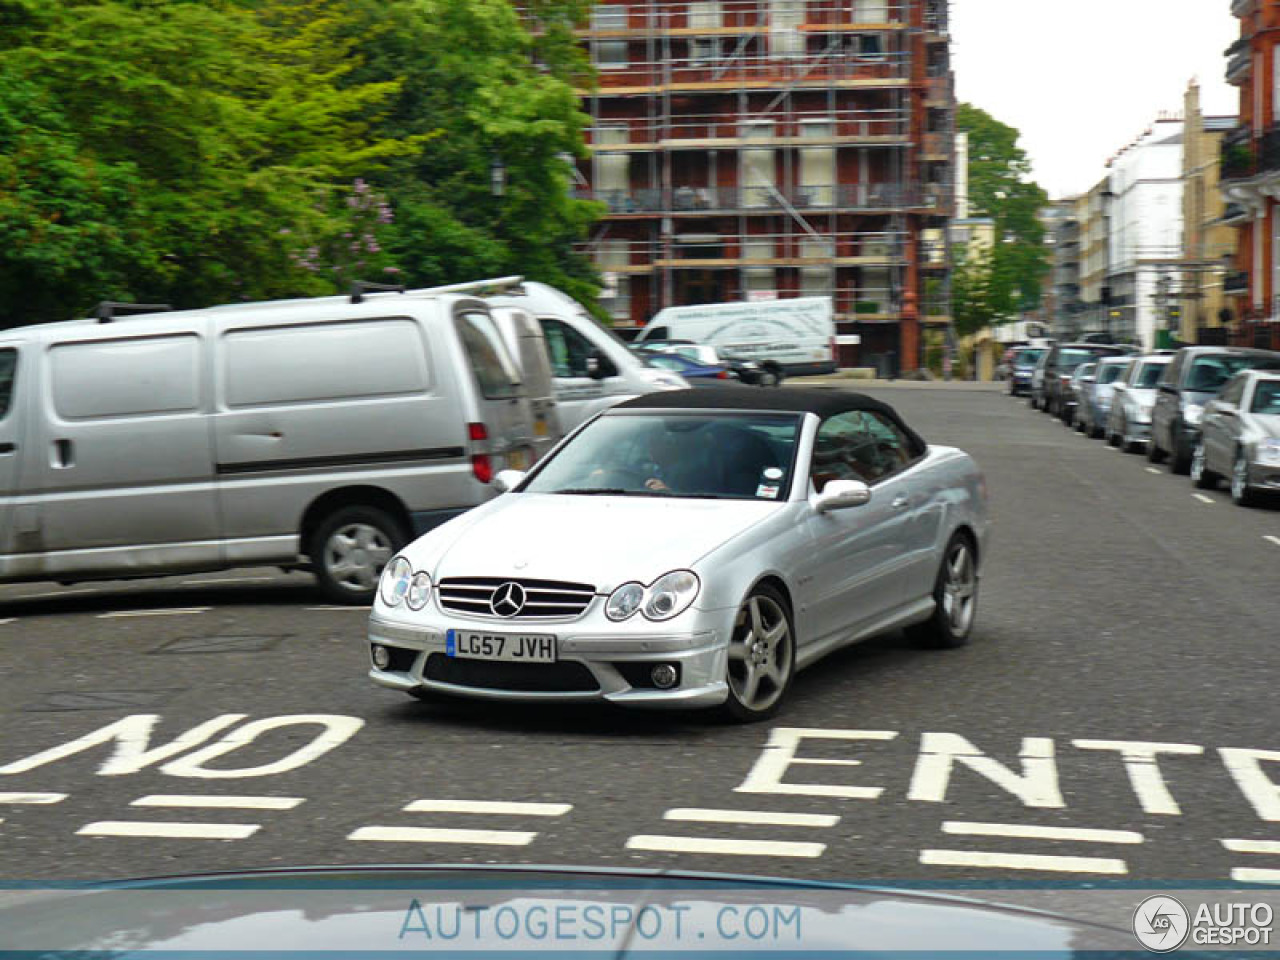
822, 402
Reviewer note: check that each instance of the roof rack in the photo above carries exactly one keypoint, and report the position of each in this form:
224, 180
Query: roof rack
107, 310
360, 287
480, 288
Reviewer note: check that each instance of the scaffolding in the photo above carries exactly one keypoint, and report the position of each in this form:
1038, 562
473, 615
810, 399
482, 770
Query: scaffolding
811, 139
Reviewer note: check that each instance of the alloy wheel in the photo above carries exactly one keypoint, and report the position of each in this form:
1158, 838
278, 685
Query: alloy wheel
960, 588
760, 653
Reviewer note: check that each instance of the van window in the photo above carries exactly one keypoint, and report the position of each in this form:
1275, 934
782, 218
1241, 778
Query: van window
126, 378
494, 369
568, 348
8, 370
310, 363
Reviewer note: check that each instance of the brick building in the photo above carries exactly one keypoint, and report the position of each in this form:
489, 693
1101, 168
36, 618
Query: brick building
761, 149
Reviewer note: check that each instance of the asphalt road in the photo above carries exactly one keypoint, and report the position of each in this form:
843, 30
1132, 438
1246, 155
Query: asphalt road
1116, 606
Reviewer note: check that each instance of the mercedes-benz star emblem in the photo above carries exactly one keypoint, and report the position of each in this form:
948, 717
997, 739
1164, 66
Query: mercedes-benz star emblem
507, 600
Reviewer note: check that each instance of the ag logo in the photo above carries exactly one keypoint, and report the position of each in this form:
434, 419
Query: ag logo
1161, 924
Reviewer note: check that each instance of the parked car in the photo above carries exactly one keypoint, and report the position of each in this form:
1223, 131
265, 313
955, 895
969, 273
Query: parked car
1094, 404
1060, 364
1132, 401
1074, 391
763, 373
750, 533
1035, 391
693, 371
324, 431
1189, 382
1240, 438
1021, 366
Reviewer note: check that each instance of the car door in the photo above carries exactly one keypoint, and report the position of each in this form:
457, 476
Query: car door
578, 393
860, 556
1221, 425
1166, 406
13, 412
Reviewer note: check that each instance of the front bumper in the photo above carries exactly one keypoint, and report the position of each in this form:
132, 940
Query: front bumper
593, 661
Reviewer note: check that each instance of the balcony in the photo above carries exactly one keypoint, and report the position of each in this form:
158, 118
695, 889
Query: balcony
817, 69
662, 18
1236, 284
1239, 60
705, 201
700, 131
940, 93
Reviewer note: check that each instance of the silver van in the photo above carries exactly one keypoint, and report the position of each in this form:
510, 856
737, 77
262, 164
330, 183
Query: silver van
329, 431
524, 340
592, 368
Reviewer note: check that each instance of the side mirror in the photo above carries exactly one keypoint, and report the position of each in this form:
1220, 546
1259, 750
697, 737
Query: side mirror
507, 480
842, 494
599, 366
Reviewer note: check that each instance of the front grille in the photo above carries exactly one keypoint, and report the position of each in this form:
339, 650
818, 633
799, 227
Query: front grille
544, 599
567, 676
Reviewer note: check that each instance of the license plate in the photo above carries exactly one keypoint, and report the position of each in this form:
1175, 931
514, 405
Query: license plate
540, 427
518, 648
517, 460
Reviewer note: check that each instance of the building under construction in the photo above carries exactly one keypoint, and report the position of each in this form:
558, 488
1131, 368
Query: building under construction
761, 149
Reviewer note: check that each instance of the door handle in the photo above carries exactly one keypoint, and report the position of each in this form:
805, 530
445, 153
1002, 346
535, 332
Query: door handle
8, 448
900, 503
63, 454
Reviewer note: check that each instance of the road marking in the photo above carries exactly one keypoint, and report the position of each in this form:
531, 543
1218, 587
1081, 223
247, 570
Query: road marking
178, 831
167, 612
8, 620
748, 848
216, 802
54, 594
762, 818
201, 583
1040, 833
1252, 846
489, 806
1203, 499
1154, 470
497, 838
1022, 861
336, 608
32, 797
1275, 540
1255, 875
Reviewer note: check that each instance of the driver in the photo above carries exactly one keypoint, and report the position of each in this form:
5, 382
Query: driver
679, 462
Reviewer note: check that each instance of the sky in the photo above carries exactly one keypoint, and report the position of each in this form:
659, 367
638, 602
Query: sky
1082, 79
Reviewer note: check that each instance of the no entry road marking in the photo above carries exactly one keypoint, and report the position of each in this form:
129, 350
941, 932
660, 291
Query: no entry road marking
1040, 833
217, 802
1203, 499
761, 818
175, 831
747, 848
500, 838
1022, 861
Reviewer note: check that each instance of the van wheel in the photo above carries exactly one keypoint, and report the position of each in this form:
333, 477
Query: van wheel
350, 549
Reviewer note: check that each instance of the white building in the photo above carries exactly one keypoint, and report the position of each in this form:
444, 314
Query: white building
1146, 233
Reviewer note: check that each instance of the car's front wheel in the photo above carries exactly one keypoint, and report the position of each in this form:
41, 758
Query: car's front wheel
955, 595
1201, 475
762, 656
1241, 492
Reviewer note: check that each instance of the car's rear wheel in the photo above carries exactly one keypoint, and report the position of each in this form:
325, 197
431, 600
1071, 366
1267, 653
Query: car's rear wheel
762, 656
1180, 455
349, 550
1241, 492
1154, 453
955, 594
1201, 475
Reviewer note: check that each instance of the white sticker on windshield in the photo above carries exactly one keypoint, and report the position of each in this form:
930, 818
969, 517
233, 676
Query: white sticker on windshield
767, 490
773, 473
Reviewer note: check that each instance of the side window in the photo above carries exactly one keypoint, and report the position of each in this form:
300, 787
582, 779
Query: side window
1172, 372
495, 372
8, 373
126, 378
1234, 391
568, 348
858, 445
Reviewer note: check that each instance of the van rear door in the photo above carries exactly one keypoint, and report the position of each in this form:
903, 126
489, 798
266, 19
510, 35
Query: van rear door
12, 416
502, 435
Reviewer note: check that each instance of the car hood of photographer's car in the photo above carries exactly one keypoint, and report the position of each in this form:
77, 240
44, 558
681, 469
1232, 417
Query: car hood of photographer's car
601, 540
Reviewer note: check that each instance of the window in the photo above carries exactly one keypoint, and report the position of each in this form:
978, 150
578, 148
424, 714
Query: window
785, 19
1233, 392
609, 16
610, 54
312, 363
859, 445
759, 173
568, 348
817, 166
496, 373
8, 370
1107, 373
759, 283
817, 281
704, 16
1266, 397
126, 378
757, 248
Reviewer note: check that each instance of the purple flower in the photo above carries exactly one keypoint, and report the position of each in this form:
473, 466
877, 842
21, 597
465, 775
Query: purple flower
390, 269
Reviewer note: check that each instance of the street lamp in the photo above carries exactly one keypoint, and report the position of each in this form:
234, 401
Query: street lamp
497, 177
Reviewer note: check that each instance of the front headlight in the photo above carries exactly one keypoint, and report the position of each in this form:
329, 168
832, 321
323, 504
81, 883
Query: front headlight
670, 595
624, 601
1268, 452
419, 591
395, 581
1192, 413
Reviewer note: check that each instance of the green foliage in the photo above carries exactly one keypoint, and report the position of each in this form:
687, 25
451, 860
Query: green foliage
1007, 279
200, 151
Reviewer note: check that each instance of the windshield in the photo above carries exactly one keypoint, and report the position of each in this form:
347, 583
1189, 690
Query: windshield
745, 457
1266, 398
1149, 375
1110, 372
1069, 359
1028, 358
1208, 374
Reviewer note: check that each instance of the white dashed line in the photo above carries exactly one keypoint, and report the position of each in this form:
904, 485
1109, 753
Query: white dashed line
762, 818
335, 608
8, 620
1275, 540
1154, 470
498, 838
168, 612
215, 802
1252, 846
32, 797
1203, 499
1040, 833
747, 848
175, 831
1255, 875
1023, 861
489, 806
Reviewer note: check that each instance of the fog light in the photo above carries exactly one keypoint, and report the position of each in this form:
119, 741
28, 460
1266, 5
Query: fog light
381, 657
664, 676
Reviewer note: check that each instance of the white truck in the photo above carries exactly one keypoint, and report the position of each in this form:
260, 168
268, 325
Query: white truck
798, 334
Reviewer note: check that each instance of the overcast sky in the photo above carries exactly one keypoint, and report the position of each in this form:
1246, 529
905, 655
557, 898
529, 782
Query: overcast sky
1081, 79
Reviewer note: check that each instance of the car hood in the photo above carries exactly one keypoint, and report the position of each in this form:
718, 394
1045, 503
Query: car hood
601, 540
369, 911
1268, 423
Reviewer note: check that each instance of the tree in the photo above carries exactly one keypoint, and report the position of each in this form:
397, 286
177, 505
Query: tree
1008, 278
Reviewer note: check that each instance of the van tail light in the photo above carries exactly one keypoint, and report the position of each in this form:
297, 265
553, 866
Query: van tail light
482, 467
722, 375
477, 431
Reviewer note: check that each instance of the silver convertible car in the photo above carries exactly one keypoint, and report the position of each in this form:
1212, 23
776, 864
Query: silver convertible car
690, 549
